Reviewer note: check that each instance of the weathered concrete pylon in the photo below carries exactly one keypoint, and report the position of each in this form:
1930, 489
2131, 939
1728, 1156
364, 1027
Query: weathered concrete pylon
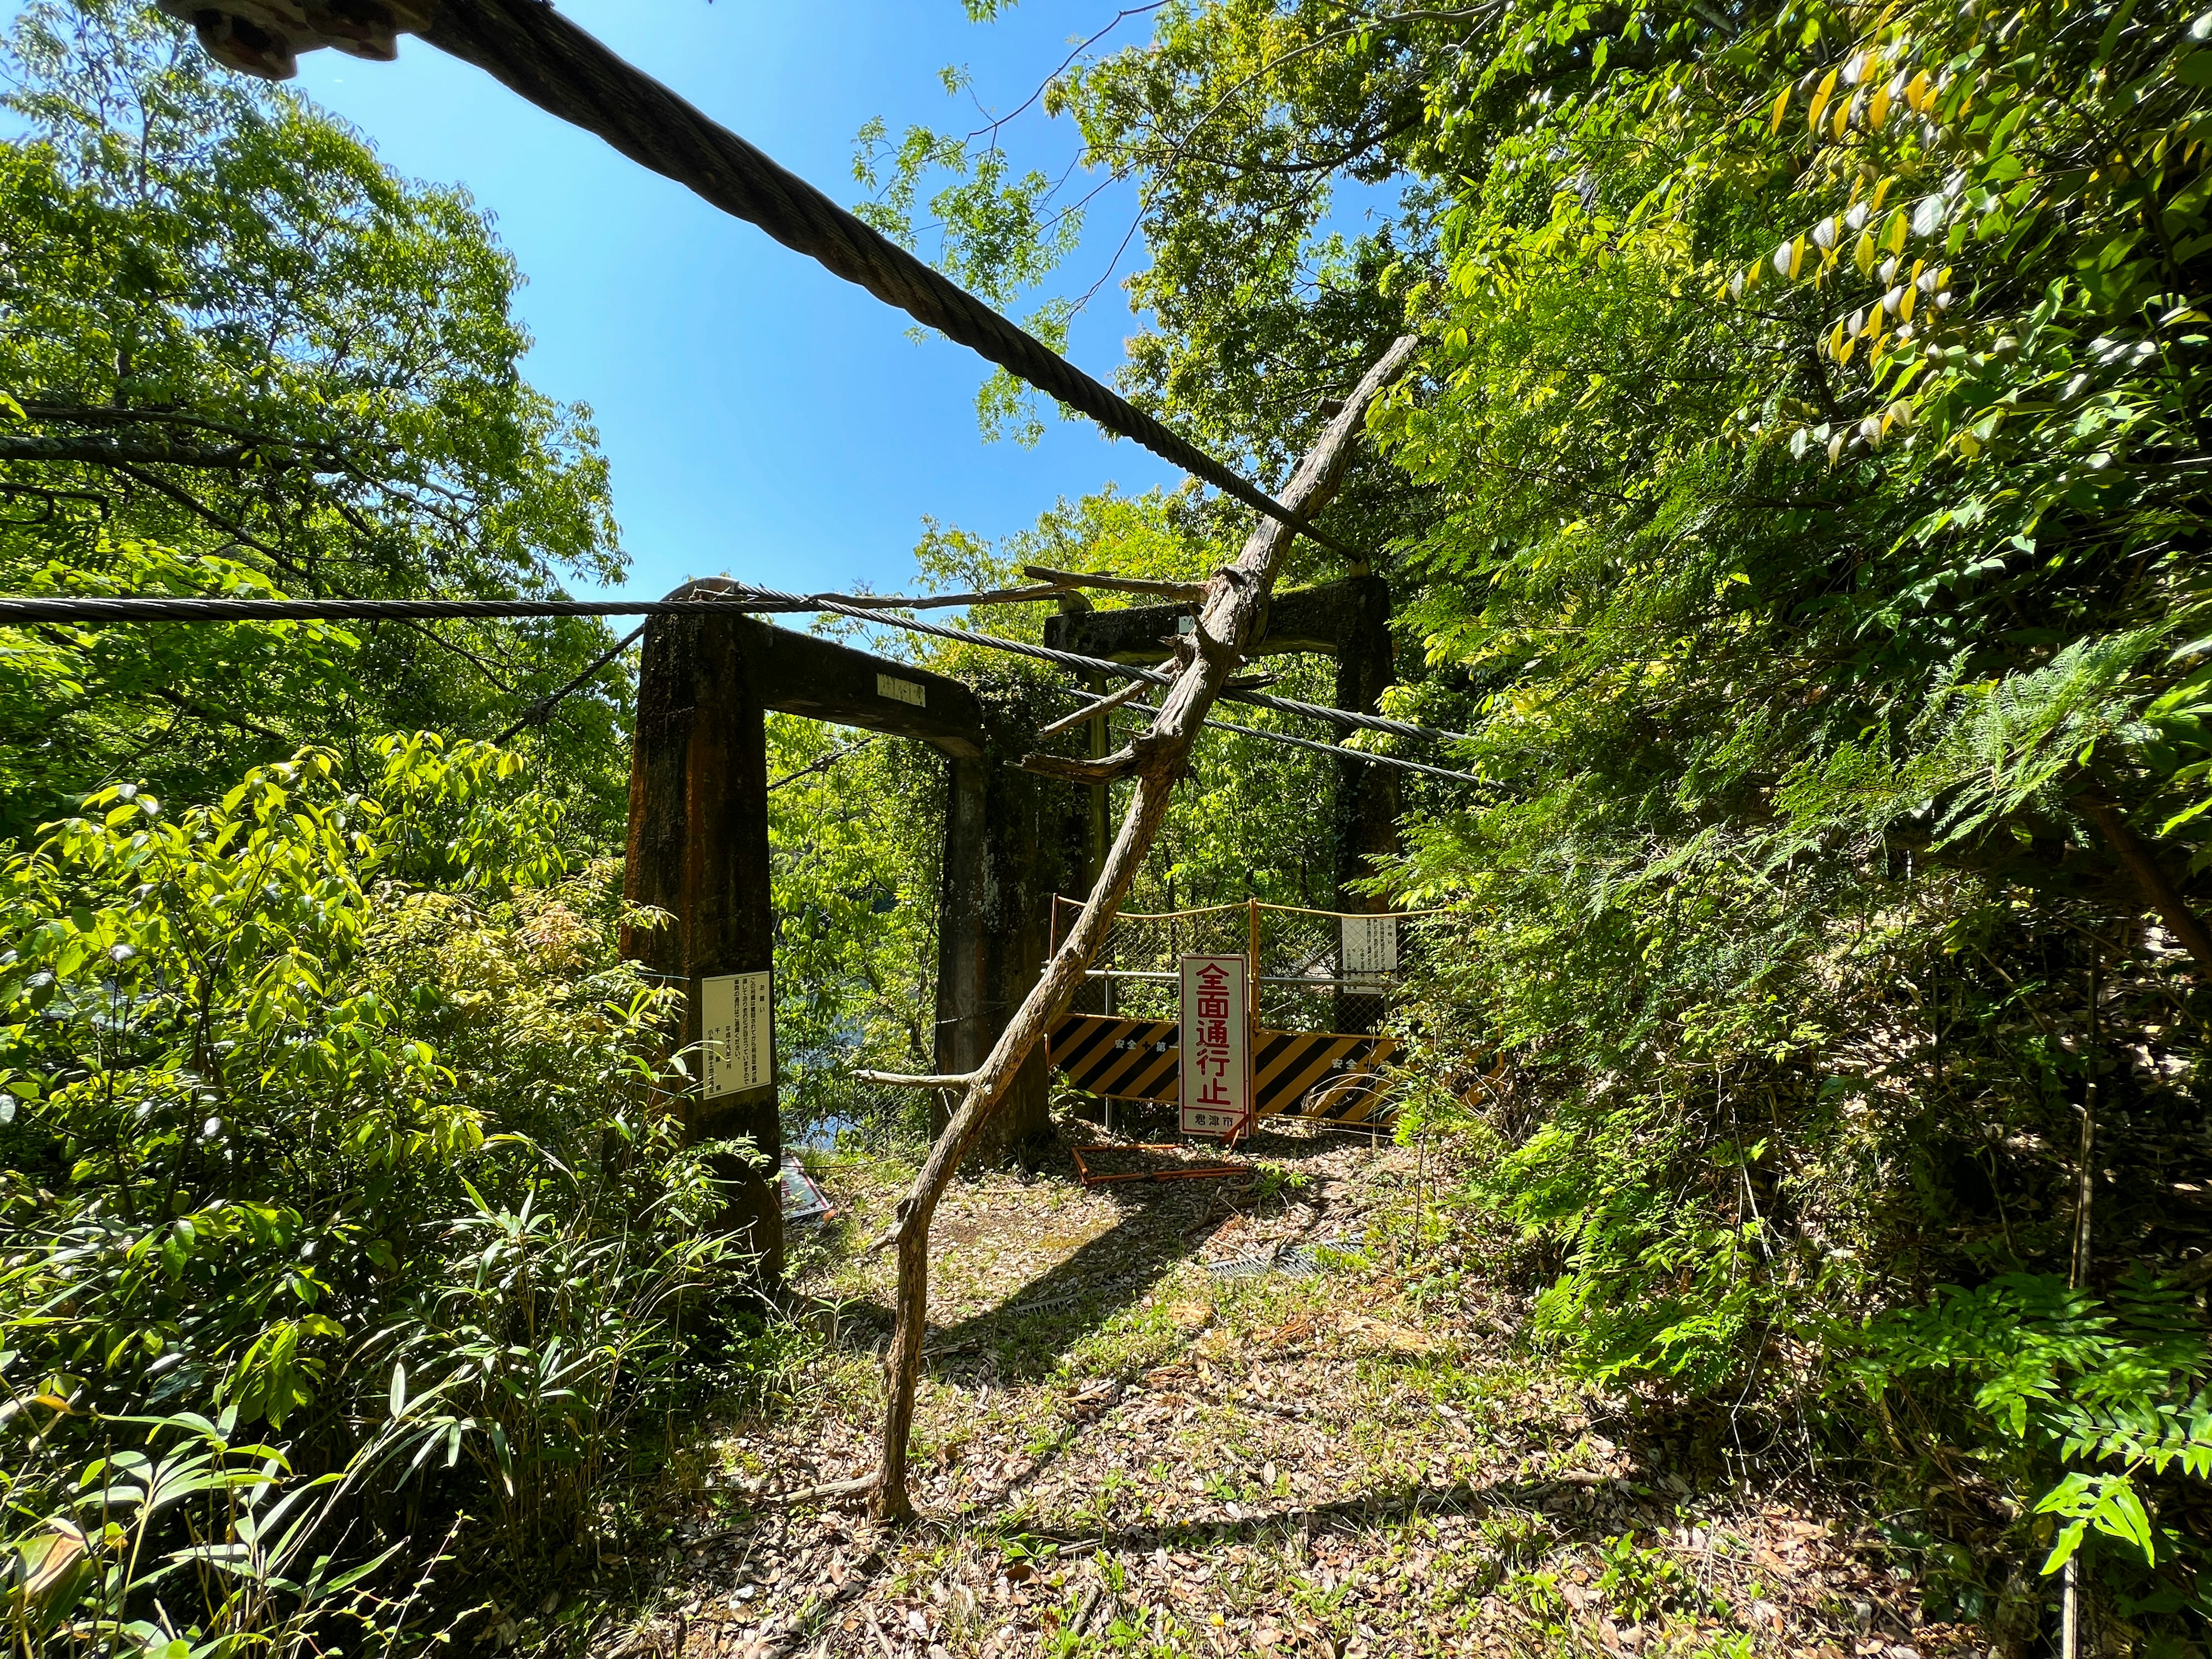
698, 849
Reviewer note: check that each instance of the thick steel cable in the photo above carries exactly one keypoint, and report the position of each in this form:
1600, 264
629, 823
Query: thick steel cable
735, 595
823, 764
541, 712
537, 52
1092, 664
1341, 753
19, 608
1337, 749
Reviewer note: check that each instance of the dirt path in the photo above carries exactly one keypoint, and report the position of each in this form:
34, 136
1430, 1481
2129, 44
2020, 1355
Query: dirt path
1125, 1453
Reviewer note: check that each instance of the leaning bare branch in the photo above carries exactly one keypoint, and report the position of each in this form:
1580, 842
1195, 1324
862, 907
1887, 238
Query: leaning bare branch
1191, 591
1109, 768
946, 601
1092, 710
1229, 617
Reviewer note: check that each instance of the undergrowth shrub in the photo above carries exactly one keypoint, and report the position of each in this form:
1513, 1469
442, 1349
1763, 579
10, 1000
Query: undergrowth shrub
333, 1154
1809, 1161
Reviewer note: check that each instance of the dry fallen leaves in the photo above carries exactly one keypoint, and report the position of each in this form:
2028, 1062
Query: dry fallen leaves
1290, 1469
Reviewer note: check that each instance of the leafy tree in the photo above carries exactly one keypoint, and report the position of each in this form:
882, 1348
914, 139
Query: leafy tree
1804, 511
330, 1125
243, 356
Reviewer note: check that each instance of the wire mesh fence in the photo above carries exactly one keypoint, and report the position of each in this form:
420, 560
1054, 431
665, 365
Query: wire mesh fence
1322, 982
1313, 970
1315, 974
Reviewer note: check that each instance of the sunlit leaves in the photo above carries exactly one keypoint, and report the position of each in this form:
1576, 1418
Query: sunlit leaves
225, 263
2119, 1385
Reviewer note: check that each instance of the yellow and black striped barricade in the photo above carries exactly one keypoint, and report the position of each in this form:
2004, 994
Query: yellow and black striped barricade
1326, 1076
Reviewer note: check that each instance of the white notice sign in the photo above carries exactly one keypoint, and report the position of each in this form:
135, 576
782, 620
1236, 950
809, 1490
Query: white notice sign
737, 1033
1215, 1039
1371, 946
899, 691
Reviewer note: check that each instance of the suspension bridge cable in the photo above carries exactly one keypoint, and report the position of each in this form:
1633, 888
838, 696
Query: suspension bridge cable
540, 712
1336, 749
839, 604
726, 592
540, 54
825, 763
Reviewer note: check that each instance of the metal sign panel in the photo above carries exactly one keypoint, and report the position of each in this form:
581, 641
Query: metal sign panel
1126, 1058
899, 691
1336, 1076
737, 1033
1371, 946
1216, 1095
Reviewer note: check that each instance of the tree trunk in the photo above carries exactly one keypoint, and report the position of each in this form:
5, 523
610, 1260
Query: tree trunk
2150, 876
1229, 613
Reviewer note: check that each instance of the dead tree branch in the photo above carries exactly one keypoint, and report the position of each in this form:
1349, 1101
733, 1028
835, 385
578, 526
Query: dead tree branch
1087, 774
2142, 863
1091, 711
1191, 591
1229, 616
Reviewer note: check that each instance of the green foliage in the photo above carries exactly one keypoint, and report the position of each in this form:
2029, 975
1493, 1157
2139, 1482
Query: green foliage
2110, 1395
193, 1518
997, 237
312, 1091
855, 849
197, 267
1645, 1584
1802, 507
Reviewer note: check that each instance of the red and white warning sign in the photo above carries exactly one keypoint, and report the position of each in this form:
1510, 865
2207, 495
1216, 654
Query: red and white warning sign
1216, 1091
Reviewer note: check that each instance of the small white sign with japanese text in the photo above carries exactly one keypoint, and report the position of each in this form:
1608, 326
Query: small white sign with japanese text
1216, 1040
737, 1033
1371, 947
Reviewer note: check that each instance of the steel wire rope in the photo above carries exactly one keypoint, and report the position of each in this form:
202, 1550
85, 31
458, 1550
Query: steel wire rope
823, 602
1335, 749
726, 592
535, 51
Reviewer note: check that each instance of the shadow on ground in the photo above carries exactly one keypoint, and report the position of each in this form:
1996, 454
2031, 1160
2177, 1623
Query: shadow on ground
1023, 1338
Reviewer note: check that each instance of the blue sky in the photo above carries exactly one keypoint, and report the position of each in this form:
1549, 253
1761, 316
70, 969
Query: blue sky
761, 418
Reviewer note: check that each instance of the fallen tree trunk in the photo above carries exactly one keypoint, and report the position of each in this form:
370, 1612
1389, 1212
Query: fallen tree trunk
1229, 616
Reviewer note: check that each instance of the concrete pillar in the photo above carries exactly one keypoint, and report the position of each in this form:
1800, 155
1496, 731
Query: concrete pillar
1022, 872
698, 848
964, 1029
1364, 814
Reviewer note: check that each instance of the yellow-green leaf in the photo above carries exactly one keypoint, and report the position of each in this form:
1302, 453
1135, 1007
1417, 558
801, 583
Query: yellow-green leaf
1826, 90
